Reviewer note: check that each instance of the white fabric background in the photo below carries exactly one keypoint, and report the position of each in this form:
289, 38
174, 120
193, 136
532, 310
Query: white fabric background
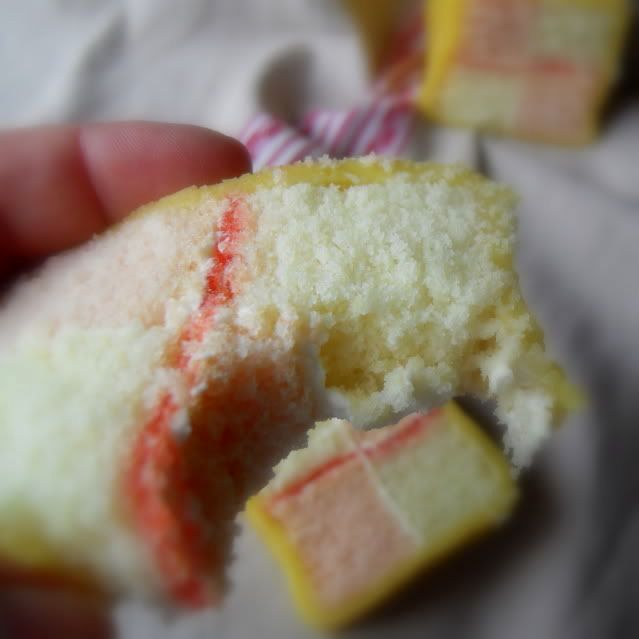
568, 565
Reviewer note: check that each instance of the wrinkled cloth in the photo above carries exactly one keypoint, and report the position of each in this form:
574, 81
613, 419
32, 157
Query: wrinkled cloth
568, 564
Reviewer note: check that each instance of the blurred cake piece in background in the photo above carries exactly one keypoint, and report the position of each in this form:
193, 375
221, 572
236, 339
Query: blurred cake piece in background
536, 69
356, 514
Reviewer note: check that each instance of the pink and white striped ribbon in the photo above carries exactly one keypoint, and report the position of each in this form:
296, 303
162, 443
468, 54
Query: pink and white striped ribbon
381, 125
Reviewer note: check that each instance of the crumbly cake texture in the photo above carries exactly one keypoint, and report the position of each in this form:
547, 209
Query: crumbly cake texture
535, 69
150, 379
354, 515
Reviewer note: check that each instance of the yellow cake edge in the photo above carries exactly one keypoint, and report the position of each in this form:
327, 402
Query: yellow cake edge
440, 49
323, 172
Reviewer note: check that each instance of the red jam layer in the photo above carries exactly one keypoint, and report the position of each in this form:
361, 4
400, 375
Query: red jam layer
162, 485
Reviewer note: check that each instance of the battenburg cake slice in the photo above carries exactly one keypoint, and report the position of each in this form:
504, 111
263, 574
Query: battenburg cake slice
537, 69
355, 515
150, 379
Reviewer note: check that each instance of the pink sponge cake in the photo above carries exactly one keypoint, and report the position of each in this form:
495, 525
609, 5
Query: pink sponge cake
150, 379
355, 514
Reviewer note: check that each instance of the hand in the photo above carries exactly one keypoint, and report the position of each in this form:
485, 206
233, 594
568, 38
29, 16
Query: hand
58, 187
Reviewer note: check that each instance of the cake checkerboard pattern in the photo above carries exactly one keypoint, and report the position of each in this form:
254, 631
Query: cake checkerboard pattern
356, 514
537, 69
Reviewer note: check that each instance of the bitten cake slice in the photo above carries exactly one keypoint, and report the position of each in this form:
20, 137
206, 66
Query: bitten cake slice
354, 515
150, 379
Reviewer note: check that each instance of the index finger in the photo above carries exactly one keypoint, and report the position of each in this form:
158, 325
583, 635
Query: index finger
61, 185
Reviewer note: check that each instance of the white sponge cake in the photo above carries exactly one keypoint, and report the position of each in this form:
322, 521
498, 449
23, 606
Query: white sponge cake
150, 379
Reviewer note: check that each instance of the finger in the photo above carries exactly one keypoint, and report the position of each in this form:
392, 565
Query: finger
61, 185
31, 614
39, 605
133, 164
